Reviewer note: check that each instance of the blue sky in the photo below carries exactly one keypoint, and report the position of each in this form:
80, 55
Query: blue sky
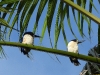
42, 64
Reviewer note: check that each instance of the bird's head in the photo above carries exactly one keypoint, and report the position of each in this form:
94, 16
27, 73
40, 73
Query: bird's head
32, 34
29, 33
77, 41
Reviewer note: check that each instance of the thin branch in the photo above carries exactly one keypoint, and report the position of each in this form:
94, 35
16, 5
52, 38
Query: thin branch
54, 51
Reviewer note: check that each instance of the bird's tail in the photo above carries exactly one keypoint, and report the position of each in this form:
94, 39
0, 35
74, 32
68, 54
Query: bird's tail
25, 51
75, 61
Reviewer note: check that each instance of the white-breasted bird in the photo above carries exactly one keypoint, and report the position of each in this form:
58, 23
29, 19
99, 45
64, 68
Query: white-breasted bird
28, 38
73, 47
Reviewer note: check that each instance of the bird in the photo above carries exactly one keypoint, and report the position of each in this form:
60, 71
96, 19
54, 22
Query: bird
73, 47
28, 38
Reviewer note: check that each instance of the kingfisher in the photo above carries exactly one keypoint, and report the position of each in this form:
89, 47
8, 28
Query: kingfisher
28, 38
73, 47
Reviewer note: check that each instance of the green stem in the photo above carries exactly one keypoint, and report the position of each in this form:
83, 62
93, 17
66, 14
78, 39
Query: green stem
55, 51
83, 11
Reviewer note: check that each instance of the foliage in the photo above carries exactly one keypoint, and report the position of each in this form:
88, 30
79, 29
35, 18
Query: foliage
25, 8
21, 11
92, 68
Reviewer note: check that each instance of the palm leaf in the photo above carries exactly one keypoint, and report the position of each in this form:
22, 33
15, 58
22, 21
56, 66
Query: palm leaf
39, 12
57, 25
92, 68
21, 12
28, 6
8, 1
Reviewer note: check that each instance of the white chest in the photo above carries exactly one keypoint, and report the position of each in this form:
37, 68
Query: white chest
28, 39
73, 47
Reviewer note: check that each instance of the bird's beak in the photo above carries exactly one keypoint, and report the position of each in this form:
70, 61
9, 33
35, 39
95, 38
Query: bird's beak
37, 36
81, 41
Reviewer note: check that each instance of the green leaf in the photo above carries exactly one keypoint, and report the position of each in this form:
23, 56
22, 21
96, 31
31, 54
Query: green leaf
2, 53
13, 23
64, 35
28, 16
89, 24
2, 9
57, 26
43, 29
39, 12
26, 8
73, 11
99, 1
89, 69
4, 23
83, 3
21, 6
83, 11
93, 53
82, 19
79, 24
79, 2
8, 7
68, 20
90, 8
50, 13
98, 39
95, 66
63, 13
57, 35
8, 1
10, 16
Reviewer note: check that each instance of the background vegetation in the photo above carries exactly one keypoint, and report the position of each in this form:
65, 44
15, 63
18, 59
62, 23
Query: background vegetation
15, 15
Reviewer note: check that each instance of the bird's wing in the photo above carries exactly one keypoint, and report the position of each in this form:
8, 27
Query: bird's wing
20, 40
75, 61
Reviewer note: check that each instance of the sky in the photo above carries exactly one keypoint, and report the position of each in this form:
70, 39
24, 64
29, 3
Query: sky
46, 63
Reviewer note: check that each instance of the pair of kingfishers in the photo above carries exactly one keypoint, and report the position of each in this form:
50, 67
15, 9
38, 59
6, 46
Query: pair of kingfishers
28, 38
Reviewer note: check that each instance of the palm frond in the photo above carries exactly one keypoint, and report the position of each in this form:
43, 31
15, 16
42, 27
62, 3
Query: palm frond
92, 68
26, 8
21, 11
